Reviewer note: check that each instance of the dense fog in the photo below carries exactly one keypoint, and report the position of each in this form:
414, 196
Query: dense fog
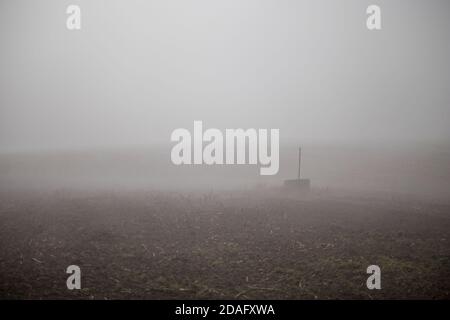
96, 107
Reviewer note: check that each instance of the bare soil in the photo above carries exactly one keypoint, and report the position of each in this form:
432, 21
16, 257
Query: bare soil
241, 245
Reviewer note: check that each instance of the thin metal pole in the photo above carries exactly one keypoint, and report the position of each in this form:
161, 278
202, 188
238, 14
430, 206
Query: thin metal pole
299, 161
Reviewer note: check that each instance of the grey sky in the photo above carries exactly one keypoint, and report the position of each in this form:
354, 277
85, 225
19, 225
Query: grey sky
139, 69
